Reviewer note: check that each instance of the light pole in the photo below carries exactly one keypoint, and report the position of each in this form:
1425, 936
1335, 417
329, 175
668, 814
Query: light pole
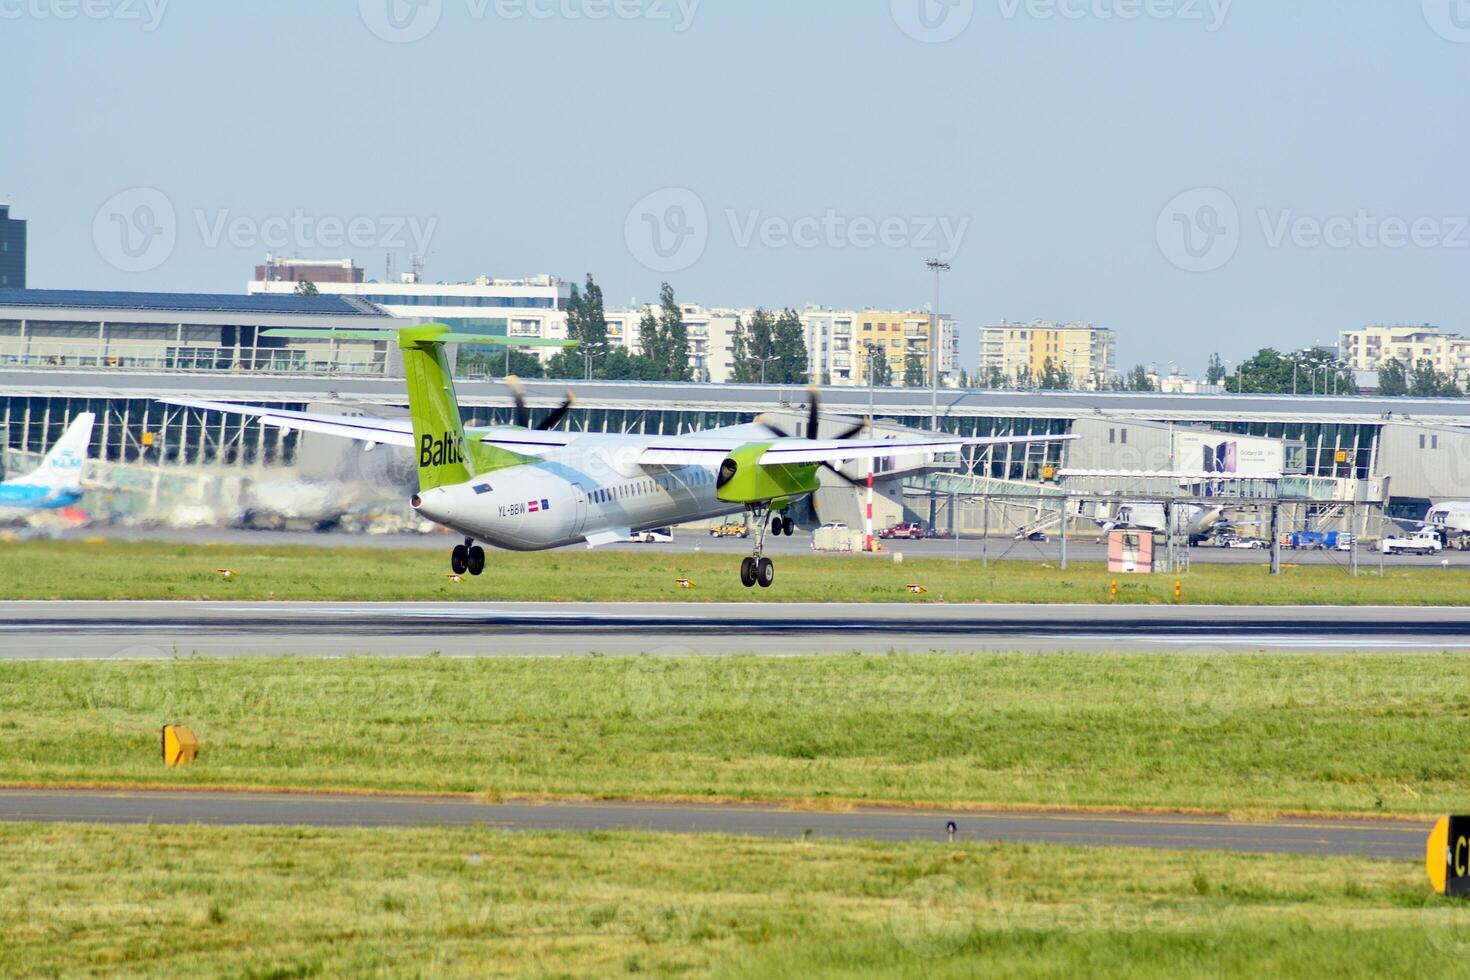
872, 350
872, 379
937, 267
764, 361
590, 352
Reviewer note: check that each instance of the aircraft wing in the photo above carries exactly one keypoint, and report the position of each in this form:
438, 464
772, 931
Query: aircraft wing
388, 432
696, 450
391, 432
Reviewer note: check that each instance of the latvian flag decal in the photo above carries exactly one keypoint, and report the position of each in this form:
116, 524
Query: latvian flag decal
536, 505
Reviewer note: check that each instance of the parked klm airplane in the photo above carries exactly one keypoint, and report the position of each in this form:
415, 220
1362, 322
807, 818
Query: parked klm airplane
528, 489
57, 482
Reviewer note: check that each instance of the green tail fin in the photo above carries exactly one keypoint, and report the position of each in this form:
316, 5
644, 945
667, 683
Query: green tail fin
445, 456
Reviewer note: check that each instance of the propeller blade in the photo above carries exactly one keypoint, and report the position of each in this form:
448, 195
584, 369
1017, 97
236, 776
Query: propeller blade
853, 432
813, 414
776, 430
554, 419
850, 481
518, 392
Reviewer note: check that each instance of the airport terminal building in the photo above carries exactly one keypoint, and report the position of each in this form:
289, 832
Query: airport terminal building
119, 354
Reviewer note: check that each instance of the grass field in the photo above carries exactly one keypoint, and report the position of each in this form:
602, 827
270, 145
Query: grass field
1223, 732
147, 570
202, 901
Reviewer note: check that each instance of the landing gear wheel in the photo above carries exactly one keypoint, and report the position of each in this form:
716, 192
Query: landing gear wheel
747, 572
788, 526
765, 572
459, 559
476, 560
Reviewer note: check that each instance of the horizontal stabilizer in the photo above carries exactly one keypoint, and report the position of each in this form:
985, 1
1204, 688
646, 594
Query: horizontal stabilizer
438, 333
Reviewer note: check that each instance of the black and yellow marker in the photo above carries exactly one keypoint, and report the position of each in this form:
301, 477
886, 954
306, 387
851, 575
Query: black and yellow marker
1447, 857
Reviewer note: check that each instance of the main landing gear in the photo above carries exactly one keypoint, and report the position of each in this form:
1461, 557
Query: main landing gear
467, 557
758, 569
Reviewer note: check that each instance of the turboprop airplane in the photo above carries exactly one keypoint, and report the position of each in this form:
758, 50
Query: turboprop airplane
528, 489
57, 482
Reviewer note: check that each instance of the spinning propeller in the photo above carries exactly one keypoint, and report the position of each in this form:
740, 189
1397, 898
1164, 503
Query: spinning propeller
813, 423
523, 411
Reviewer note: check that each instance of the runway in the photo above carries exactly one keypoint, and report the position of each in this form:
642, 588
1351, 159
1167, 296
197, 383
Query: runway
1322, 837
1080, 548
143, 630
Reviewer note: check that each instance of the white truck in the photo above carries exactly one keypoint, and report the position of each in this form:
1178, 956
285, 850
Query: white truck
1420, 543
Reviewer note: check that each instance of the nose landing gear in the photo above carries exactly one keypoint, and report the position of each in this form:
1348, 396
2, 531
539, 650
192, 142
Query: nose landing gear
758, 569
467, 557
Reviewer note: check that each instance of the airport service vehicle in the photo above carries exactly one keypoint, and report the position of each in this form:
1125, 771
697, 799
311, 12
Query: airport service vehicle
653, 535
1245, 544
730, 529
1419, 543
1451, 518
912, 531
530, 488
1318, 540
57, 482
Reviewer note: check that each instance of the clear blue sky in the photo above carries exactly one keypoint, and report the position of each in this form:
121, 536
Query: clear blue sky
520, 134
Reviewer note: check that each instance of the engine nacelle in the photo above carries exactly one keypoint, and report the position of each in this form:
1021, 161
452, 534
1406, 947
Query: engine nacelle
742, 479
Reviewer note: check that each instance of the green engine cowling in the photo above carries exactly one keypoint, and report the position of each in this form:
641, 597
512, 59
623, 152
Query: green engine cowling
744, 480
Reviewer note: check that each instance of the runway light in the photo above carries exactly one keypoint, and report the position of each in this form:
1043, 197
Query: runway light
1114, 589
685, 583
1178, 589
227, 573
180, 745
456, 579
916, 588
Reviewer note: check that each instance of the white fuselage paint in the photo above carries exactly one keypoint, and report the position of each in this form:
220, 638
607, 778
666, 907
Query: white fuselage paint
1195, 520
570, 495
1452, 517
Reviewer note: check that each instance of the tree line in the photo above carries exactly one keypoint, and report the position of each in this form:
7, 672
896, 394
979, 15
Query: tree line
767, 346
1319, 371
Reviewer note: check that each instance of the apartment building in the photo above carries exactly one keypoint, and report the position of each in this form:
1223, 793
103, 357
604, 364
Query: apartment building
1020, 351
1367, 349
